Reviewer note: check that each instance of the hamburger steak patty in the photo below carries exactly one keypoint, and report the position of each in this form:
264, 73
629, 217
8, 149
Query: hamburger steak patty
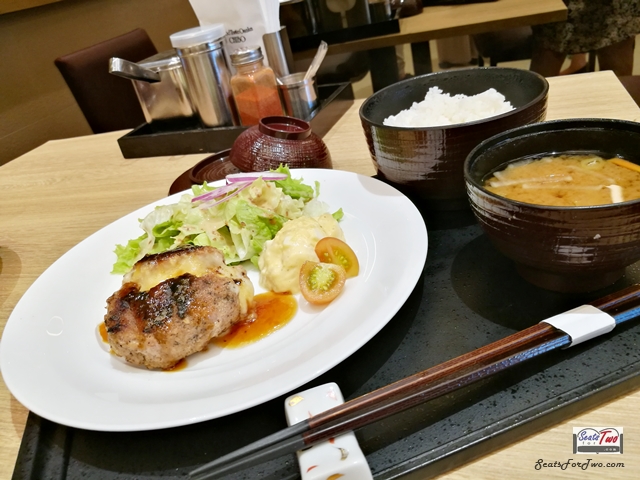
158, 327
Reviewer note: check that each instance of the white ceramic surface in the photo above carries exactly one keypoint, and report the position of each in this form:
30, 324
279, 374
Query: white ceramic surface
54, 362
339, 457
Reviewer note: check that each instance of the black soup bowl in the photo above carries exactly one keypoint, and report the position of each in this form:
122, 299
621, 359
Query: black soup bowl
564, 249
426, 163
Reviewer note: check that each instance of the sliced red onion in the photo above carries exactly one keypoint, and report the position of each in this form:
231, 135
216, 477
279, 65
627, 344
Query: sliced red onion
218, 192
238, 186
250, 177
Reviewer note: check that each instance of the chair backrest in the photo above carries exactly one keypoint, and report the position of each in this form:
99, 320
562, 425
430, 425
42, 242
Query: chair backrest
108, 102
632, 84
505, 45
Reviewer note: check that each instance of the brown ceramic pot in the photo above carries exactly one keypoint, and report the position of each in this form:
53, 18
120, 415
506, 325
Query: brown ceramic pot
427, 163
279, 140
566, 249
212, 168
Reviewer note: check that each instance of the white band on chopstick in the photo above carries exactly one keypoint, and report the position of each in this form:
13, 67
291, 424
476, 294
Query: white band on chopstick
582, 323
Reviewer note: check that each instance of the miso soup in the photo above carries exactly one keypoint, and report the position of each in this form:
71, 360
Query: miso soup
568, 180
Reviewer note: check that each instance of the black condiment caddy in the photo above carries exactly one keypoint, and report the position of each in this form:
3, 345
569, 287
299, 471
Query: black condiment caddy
188, 136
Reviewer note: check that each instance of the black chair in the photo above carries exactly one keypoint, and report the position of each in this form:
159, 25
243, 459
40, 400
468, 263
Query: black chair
504, 45
108, 102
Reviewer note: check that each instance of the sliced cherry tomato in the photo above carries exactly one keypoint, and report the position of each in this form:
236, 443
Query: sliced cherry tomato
320, 283
333, 250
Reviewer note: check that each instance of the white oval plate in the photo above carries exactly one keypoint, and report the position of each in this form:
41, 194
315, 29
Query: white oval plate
54, 362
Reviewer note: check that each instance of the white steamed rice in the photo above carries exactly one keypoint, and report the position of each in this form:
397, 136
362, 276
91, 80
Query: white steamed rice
438, 109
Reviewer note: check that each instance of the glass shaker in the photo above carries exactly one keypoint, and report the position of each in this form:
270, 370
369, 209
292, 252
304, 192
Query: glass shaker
254, 86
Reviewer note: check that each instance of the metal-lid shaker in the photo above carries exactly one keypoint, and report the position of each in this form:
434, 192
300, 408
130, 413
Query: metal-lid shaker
202, 56
246, 55
254, 86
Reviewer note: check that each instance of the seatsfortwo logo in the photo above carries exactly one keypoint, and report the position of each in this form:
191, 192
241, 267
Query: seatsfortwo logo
599, 440
589, 441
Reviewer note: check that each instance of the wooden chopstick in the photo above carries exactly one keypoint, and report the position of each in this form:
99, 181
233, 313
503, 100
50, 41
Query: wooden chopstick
418, 388
376, 410
525, 337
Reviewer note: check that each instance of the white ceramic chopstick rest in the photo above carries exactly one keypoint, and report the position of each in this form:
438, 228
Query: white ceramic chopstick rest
582, 323
337, 458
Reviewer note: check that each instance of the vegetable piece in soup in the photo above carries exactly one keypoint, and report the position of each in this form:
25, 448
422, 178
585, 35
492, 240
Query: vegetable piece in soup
568, 180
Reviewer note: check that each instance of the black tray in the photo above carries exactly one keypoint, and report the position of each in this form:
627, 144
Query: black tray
155, 140
468, 296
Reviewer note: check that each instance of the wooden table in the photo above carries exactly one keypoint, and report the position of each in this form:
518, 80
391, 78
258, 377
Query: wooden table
58, 194
446, 21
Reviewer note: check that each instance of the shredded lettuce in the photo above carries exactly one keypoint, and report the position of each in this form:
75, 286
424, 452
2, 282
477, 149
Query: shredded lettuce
127, 254
294, 187
238, 227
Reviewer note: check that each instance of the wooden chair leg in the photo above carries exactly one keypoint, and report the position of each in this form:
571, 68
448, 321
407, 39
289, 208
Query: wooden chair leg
421, 54
592, 61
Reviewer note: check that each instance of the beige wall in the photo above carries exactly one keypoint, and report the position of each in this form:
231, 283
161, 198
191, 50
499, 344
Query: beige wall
35, 103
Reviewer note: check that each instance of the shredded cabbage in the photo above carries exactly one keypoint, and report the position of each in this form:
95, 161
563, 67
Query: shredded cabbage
238, 227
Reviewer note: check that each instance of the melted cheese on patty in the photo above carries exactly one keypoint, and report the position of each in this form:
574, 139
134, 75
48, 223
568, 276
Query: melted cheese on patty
198, 261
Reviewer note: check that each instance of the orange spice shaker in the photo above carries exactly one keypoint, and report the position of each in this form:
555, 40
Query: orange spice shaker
254, 86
